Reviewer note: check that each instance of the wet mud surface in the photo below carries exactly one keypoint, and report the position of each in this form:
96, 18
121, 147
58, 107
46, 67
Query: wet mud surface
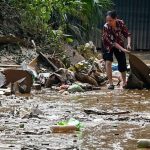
25, 121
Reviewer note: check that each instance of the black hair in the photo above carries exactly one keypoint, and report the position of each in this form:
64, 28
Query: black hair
112, 14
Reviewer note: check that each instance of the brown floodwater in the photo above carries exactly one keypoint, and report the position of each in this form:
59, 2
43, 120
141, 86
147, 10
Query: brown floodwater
19, 130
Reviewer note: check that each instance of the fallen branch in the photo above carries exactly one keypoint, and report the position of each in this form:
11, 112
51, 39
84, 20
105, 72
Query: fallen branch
88, 111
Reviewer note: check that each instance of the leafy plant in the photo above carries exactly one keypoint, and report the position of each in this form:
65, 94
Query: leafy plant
46, 18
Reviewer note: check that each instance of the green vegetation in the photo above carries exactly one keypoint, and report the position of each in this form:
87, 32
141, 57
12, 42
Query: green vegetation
52, 22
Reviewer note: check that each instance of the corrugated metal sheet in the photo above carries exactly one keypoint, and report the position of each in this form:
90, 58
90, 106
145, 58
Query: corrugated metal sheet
136, 14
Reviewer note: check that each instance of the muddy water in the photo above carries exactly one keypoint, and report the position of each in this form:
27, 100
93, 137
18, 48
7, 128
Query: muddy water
122, 131
25, 121
18, 130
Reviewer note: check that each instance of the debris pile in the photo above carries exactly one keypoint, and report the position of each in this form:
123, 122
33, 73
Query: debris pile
50, 72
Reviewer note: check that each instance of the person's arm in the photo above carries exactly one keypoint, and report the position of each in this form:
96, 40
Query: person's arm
126, 34
121, 48
129, 42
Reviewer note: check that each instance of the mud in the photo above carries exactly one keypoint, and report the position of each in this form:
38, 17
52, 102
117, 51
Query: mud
25, 121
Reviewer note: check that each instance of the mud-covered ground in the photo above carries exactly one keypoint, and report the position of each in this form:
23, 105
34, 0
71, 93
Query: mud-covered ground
25, 121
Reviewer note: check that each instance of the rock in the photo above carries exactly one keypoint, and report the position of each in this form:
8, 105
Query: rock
65, 93
36, 111
21, 125
143, 143
96, 88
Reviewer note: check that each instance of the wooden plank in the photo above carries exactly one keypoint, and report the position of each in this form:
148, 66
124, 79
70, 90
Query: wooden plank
5, 65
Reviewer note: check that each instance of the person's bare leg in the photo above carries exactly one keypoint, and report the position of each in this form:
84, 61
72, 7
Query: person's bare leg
123, 76
109, 71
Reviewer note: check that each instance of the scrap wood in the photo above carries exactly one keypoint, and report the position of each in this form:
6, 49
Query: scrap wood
48, 62
58, 63
54, 79
34, 63
14, 75
140, 69
134, 83
64, 129
89, 111
42, 59
7, 66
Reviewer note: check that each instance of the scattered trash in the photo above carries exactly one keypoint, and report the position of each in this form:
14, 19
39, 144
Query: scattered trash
89, 74
75, 88
114, 67
2, 79
69, 126
143, 143
63, 129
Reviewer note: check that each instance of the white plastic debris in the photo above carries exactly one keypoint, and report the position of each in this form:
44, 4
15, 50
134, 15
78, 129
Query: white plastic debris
2, 79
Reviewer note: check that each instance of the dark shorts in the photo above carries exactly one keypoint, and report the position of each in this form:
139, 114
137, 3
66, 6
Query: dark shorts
120, 56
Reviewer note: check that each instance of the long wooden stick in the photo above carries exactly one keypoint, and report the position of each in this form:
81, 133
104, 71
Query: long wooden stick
88, 111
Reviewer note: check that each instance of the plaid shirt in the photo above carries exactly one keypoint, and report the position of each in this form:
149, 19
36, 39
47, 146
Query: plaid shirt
111, 36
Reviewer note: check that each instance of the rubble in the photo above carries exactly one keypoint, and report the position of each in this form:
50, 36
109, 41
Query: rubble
88, 74
48, 71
